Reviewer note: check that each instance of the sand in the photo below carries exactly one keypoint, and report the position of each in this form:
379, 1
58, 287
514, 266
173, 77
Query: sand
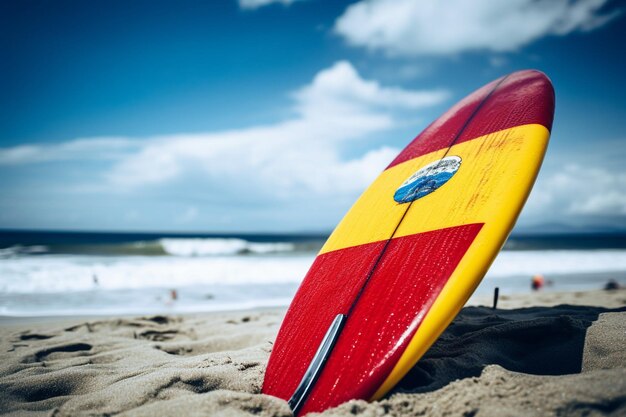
563, 356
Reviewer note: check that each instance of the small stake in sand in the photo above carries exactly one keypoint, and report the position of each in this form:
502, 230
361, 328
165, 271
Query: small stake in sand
496, 292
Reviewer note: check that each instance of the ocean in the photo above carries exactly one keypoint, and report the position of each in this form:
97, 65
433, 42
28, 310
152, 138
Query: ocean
79, 273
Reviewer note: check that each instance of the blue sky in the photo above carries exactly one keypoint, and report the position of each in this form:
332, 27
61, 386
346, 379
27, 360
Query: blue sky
263, 115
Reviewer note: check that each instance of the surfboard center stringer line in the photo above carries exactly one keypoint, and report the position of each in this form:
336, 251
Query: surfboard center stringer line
333, 333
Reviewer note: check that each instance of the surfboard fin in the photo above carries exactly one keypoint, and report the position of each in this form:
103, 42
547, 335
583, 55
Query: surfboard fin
317, 364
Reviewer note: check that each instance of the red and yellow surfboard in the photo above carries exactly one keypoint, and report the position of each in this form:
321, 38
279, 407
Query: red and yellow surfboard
412, 249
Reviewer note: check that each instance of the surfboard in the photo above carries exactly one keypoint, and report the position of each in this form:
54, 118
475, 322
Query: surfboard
413, 248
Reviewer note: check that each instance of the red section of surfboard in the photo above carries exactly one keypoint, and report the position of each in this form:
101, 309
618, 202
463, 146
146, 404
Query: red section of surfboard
524, 97
328, 289
405, 283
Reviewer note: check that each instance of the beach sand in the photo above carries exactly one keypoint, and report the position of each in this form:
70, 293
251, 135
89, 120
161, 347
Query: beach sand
542, 354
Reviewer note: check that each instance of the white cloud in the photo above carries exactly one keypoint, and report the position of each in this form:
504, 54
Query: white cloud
255, 4
596, 191
433, 27
611, 202
88, 148
576, 191
341, 89
301, 155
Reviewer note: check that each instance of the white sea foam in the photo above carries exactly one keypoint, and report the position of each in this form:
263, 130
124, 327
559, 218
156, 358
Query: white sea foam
215, 246
62, 273
17, 250
516, 263
86, 284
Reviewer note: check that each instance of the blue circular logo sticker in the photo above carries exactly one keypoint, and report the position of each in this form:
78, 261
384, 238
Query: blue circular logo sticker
427, 179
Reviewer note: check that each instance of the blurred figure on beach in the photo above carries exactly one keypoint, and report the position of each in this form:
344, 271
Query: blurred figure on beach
537, 282
612, 285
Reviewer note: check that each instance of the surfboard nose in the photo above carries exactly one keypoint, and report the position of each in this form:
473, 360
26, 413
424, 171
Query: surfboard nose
526, 97
530, 90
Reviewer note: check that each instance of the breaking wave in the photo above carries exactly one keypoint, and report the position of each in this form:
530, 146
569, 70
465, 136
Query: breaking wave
180, 247
212, 247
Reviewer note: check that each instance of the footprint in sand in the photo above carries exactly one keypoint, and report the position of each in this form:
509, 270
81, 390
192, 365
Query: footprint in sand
59, 352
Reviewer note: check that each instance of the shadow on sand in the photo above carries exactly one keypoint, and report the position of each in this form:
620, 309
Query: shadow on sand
537, 340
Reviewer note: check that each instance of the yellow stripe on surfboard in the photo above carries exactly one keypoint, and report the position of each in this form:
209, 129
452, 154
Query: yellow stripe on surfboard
504, 166
496, 171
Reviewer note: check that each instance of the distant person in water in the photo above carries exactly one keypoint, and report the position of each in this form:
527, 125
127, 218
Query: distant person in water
537, 282
94, 278
173, 294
